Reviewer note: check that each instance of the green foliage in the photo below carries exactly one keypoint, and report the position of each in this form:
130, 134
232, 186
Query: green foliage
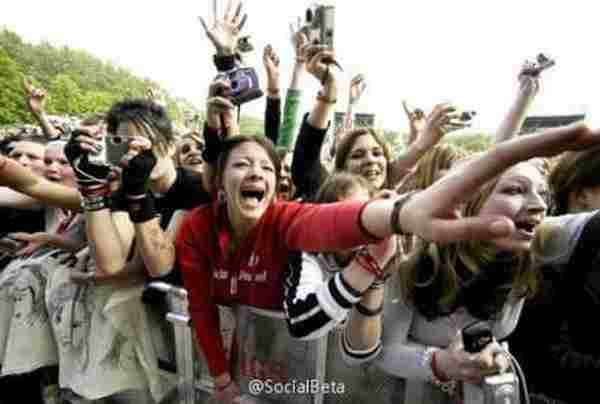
78, 83
12, 104
251, 126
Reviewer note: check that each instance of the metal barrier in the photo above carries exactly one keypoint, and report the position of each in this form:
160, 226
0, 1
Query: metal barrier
259, 343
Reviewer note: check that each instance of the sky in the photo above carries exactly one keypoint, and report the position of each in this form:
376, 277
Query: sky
426, 51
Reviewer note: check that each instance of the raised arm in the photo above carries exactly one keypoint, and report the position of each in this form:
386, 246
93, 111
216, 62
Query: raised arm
291, 112
273, 108
416, 122
307, 170
529, 87
36, 99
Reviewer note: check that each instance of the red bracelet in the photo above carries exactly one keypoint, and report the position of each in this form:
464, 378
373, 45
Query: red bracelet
369, 264
436, 372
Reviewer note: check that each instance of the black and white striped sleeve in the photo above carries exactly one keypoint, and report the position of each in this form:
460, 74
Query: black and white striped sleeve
313, 304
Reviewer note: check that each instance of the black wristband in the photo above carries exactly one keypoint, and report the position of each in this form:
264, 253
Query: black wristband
224, 63
141, 209
395, 216
365, 311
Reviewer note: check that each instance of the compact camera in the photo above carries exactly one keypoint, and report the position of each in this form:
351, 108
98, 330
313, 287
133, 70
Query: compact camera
320, 22
114, 147
543, 62
244, 86
466, 116
496, 389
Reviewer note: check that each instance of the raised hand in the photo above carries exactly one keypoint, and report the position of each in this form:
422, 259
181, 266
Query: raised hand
318, 64
299, 41
416, 121
441, 120
224, 32
357, 88
220, 111
36, 97
529, 85
271, 62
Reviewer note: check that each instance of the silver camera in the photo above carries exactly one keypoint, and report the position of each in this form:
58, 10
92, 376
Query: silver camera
497, 389
320, 24
114, 147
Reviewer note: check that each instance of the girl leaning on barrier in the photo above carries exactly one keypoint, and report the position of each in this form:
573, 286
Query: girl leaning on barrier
243, 257
444, 287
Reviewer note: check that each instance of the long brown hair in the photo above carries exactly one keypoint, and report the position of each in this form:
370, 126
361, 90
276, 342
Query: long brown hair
441, 269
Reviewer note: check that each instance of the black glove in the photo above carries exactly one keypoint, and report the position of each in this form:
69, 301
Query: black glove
136, 176
88, 174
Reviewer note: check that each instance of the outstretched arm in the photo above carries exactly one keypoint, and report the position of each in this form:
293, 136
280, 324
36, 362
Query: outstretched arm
24, 181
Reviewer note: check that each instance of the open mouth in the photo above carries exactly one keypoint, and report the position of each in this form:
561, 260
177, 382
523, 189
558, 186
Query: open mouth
253, 197
192, 161
526, 228
284, 187
53, 178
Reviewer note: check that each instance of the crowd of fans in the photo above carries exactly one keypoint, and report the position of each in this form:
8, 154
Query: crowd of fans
387, 257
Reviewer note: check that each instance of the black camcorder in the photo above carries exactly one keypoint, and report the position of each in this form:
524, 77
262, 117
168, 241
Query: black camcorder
543, 62
244, 85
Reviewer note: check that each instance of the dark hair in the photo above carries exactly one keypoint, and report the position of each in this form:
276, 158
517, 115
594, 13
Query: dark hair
338, 185
574, 172
231, 143
345, 146
147, 115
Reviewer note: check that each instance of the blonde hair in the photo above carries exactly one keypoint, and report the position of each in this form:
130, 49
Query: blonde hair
439, 267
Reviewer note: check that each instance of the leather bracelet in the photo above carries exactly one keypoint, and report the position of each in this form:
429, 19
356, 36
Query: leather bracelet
395, 216
365, 311
379, 283
323, 99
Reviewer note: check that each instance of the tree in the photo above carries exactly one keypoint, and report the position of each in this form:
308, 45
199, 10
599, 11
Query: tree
12, 101
65, 96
